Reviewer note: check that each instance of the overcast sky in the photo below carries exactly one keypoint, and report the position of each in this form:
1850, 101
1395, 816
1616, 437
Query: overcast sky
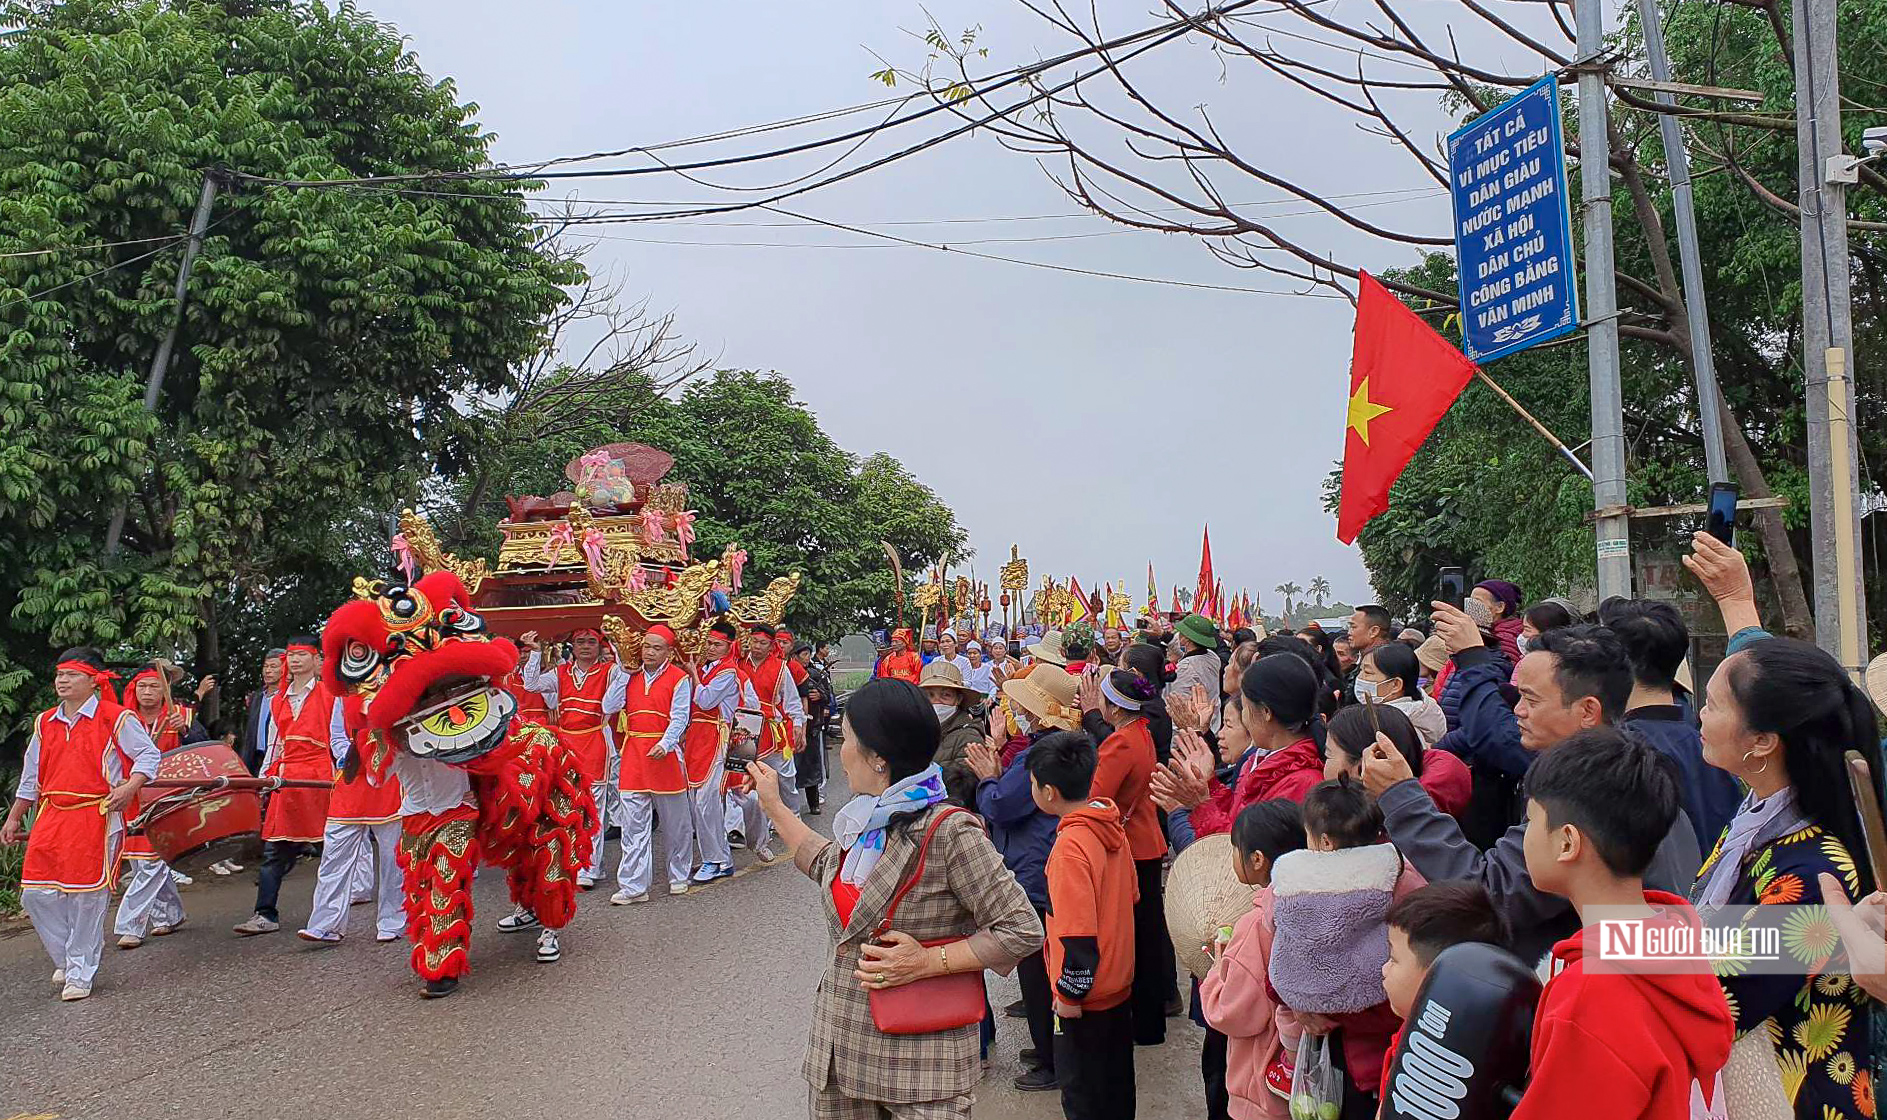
1097, 423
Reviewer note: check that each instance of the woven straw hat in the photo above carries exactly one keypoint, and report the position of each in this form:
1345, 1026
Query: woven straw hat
1877, 682
1048, 695
1202, 894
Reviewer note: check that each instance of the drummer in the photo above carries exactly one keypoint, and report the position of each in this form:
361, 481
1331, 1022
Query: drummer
151, 906
85, 763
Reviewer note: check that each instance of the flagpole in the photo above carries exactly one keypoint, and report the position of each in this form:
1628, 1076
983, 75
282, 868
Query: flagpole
1537, 426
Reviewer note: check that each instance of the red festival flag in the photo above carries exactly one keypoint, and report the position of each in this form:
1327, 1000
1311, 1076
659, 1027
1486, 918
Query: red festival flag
1403, 377
1202, 592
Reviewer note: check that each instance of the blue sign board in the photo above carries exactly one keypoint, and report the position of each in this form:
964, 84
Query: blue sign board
1513, 226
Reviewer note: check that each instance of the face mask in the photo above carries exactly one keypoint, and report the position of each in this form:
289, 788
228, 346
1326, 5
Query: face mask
1022, 722
1523, 642
944, 711
1365, 690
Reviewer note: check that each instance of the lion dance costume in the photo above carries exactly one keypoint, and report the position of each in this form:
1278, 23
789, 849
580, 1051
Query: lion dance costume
479, 782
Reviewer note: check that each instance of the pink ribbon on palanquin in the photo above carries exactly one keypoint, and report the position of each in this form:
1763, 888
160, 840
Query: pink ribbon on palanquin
736, 563
561, 537
638, 579
685, 528
403, 556
593, 542
592, 463
652, 527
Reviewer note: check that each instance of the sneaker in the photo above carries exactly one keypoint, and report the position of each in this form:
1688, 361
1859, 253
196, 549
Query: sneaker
258, 924
180, 878
128, 941
439, 989
517, 921
59, 976
585, 883
221, 867
1017, 1010
166, 930
232, 866
624, 898
712, 871
319, 937
549, 949
73, 992
736, 839
677, 888
383, 938
1030, 1056
1037, 1081
764, 853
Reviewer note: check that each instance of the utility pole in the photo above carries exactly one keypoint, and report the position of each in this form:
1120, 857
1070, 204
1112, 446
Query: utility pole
1828, 338
160, 364
1703, 360
1608, 409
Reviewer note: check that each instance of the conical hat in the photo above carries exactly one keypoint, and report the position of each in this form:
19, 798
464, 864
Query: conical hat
1202, 894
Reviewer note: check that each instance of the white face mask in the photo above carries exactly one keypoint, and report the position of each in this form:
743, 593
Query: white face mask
944, 711
1022, 722
1523, 642
1365, 690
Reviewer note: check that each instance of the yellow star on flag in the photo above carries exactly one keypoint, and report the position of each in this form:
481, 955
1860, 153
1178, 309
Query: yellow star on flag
1363, 410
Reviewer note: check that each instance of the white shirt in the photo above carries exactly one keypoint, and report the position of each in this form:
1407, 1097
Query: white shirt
982, 679
430, 787
678, 708
961, 662
130, 734
727, 692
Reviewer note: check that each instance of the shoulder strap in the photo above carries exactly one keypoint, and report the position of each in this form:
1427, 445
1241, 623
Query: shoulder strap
917, 871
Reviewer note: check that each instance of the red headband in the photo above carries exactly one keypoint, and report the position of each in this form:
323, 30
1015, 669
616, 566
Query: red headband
590, 630
782, 632
305, 648
86, 667
142, 673
663, 632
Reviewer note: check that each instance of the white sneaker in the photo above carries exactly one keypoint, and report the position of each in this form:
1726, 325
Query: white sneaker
585, 883
678, 888
764, 853
319, 936
58, 975
231, 866
180, 879
128, 941
549, 949
624, 898
517, 921
73, 992
383, 938
166, 930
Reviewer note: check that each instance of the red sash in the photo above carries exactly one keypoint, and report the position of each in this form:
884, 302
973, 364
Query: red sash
300, 814
69, 848
644, 722
707, 733
776, 734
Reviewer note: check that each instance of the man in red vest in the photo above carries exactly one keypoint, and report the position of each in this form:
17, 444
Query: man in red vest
584, 694
654, 718
151, 905
85, 763
301, 722
719, 691
901, 664
363, 825
783, 726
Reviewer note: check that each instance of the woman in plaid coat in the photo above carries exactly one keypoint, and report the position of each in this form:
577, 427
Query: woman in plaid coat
965, 898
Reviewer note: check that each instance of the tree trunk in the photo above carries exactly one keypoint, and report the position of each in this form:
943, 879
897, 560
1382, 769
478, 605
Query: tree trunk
209, 659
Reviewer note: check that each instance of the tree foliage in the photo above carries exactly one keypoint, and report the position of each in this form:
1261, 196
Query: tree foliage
327, 337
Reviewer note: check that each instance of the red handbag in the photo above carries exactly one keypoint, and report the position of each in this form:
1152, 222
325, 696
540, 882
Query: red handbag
936, 1003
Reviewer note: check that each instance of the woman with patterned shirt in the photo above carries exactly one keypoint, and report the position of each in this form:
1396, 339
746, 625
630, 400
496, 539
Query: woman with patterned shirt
1779, 715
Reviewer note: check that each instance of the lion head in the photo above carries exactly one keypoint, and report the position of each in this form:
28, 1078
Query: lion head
426, 672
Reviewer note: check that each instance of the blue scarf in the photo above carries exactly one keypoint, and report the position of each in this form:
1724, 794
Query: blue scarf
860, 826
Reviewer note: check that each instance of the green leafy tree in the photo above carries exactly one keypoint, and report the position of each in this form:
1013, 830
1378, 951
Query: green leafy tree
1319, 590
328, 335
1290, 590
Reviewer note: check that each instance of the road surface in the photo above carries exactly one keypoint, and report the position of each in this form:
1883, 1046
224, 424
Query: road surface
684, 1008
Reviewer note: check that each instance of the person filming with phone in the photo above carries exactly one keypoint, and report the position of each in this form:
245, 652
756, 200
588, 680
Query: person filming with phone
917, 902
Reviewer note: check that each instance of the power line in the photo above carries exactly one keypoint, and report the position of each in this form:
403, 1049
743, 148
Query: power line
51, 249
31, 296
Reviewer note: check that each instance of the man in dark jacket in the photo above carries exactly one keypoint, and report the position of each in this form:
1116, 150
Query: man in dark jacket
254, 741
1483, 731
1023, 834
1571, 679
1655, 637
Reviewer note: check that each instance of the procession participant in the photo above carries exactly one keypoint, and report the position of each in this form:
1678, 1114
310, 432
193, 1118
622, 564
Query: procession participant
531, 706
815, 696
655, 715
718, 690
297, 818
783, 646
1111, 645
783, 723
85, 763
981, 676
583, 693
947, 652
901, 664
151, 905
363, 828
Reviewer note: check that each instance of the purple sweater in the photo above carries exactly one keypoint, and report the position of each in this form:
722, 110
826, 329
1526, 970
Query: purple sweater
1331, 940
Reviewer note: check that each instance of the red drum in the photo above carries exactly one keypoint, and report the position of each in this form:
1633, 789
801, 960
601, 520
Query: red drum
202, 826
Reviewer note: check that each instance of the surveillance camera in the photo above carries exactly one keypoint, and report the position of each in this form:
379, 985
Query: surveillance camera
1874, 141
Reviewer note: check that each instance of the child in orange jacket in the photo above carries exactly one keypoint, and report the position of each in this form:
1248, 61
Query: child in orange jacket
1091, 893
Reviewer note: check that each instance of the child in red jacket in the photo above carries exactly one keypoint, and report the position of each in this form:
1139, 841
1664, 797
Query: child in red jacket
1091, 893
1615, 1038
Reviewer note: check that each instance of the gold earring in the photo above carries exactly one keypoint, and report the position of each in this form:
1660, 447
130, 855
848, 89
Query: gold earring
1747, 755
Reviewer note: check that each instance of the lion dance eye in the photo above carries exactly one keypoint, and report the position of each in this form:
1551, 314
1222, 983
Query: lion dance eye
401, 603
358, 662
460, 621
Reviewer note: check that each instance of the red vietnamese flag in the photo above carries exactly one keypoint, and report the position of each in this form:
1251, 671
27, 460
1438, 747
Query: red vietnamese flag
1403, 377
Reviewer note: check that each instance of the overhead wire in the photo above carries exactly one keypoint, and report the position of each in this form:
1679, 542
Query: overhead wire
29, 297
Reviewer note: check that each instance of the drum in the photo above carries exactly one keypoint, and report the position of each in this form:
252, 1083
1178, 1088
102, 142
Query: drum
202, 826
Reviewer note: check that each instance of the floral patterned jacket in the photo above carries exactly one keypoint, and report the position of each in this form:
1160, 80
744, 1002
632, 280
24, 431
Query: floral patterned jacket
1821, 1026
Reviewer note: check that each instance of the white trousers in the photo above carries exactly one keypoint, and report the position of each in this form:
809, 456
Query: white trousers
606, 813
754, 824
150, 899
636, 871
360, 888
71, 927
343, 846
709, 811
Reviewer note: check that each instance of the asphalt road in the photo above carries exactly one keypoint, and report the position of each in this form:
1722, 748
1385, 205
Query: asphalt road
684, 1008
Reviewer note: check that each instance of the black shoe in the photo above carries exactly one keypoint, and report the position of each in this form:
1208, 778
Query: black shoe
1017, 1010
812, 800
1030, 1056
1037, 1081
440, 989
1175, 1007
